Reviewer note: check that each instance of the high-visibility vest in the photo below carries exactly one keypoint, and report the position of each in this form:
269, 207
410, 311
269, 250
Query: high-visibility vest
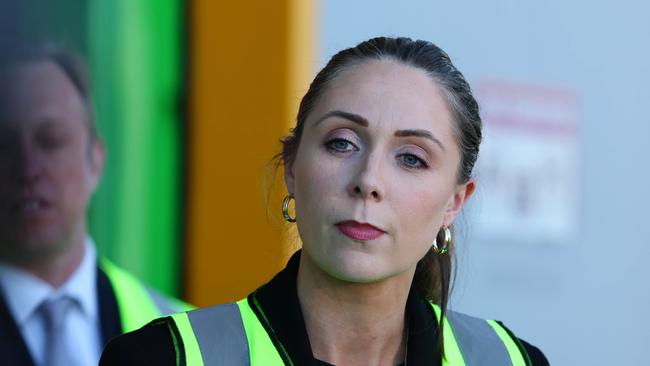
231, 334
137, 304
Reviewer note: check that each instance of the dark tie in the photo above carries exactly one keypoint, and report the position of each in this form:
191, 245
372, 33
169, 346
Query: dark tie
57, 349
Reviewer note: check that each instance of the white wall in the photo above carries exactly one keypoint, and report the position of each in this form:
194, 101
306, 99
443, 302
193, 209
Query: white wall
583, 301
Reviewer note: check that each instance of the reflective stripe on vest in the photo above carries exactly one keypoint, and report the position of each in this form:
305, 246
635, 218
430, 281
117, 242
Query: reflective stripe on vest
137, 304
221, 335
472, 341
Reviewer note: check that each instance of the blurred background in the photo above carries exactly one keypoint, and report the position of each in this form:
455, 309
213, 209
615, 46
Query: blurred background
191, 98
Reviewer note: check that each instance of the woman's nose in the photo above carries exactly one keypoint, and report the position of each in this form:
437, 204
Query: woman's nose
367, 181
365, 191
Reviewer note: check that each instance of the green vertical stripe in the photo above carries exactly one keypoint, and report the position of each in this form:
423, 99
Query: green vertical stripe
134, 51
453, 355
190, 344
515, 356
262, 349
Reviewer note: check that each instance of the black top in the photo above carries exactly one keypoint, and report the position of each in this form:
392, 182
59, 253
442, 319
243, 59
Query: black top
153, 344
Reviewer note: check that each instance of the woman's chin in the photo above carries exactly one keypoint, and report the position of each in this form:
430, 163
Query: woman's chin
359, 269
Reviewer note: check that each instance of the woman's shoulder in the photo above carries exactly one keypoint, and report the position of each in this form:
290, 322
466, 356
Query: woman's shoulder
162, 341
535, 355
468, 330
152, 344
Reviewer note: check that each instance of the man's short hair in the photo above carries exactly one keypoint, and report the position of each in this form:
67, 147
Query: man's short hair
15, 52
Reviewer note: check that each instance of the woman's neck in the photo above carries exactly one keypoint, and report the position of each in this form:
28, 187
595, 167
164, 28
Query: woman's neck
352, 323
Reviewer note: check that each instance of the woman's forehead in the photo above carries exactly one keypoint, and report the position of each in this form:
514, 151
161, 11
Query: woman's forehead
386, 92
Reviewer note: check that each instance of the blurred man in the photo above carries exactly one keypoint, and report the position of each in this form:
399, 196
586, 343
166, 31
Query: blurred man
59, 304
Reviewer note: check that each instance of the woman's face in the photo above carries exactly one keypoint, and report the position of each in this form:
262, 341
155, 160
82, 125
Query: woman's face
375, 174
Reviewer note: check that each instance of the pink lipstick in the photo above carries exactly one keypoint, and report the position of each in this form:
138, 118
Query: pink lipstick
359, 231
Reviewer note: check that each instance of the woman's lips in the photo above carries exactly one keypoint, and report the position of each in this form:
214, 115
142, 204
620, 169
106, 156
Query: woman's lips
359, 231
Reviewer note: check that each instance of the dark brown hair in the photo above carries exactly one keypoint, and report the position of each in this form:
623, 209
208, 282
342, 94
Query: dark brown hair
433, 272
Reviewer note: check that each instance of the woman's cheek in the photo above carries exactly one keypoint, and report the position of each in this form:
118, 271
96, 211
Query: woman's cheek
425, 211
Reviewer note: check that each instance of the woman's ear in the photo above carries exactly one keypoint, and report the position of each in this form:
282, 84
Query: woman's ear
289, 179
461, 194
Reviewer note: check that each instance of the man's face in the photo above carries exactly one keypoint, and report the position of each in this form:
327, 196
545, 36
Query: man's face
49, 168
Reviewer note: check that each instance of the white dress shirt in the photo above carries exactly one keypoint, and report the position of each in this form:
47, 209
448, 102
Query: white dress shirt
24, 293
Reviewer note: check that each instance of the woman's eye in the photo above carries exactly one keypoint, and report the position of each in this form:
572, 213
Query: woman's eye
412, 161
341, 145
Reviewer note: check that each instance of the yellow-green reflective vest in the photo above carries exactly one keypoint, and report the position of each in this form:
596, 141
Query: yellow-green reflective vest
231, 334
137, 304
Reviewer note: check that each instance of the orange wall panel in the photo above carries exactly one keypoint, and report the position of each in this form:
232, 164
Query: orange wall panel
245, 64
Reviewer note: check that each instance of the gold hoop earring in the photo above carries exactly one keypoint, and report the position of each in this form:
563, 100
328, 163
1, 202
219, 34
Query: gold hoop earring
445, 247
285, 208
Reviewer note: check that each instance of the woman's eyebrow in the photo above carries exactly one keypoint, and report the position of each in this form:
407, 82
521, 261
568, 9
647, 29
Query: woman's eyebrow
419, 133
364, 122
346, 115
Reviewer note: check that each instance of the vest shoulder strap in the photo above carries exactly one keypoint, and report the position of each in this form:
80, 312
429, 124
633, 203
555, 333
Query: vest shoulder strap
470, 341
188, 341
262, 348
228, 334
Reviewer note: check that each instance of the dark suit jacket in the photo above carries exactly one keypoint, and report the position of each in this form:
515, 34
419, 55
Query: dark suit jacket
13, 349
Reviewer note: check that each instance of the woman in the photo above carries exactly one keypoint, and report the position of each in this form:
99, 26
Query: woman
379, 165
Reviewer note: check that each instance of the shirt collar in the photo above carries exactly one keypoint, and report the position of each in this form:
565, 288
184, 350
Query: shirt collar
24, 292
82, 283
